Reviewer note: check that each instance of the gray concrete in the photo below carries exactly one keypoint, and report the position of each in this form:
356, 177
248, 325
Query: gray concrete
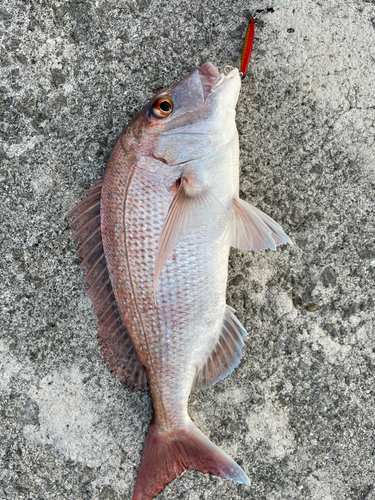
298, 413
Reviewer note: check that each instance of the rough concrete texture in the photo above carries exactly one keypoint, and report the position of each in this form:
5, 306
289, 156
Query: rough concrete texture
298, 413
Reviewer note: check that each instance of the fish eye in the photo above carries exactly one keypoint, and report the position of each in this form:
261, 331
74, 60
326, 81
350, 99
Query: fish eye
162, 107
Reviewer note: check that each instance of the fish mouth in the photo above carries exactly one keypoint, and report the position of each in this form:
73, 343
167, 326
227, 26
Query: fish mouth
211, 78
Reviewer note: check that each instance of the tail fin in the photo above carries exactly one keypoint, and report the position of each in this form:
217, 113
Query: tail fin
167, 454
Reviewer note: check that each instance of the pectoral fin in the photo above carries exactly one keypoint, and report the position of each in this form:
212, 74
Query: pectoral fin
251, 229
191, 207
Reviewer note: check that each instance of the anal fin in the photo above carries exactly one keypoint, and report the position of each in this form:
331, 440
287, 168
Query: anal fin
251, 229
226, 354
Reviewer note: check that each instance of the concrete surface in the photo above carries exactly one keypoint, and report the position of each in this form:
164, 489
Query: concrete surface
298, 413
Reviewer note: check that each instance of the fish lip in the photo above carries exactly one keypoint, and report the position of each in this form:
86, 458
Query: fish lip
211, 78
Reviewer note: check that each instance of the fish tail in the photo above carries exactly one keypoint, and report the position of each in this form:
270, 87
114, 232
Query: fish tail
167, 454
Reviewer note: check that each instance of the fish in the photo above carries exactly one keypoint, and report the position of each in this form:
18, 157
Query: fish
155, 235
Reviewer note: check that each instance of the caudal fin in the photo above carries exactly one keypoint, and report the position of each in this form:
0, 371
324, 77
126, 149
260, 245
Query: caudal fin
167, 454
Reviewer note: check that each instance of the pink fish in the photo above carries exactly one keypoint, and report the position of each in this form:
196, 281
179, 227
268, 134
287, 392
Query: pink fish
155, 235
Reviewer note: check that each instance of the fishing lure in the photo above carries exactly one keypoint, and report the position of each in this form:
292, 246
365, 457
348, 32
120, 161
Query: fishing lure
247, 46
249, 36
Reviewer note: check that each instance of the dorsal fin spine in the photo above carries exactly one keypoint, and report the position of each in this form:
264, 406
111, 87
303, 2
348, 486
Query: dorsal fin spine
85, 211
130, 361
96, 280
83, 228
107, 314
97, 296
95, 187
86, 240
135, 367
113, 322
93, 266
81, 204
129, 347
139, 378
102, 314
106, 322
114, 332
90, 254
103, 302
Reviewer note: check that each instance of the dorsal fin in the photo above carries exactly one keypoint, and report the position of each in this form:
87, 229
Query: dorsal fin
225, 355
116, 346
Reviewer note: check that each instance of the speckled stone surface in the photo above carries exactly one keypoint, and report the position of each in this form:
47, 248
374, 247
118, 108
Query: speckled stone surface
298, 413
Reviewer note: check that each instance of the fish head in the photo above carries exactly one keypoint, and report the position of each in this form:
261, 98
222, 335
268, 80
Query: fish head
187, 120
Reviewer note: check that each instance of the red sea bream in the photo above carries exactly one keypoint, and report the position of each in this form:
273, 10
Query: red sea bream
155, 235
